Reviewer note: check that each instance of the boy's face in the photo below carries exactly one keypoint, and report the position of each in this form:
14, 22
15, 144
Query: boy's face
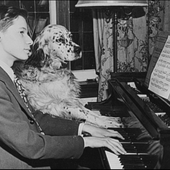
15, 41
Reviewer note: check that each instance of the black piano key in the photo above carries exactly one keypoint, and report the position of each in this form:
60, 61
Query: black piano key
128, 134
134, 157
132, 162
135, 135
123, 133
141, 148
168, 122
138, 161
130, 148
134, 167
165, 118
149, 160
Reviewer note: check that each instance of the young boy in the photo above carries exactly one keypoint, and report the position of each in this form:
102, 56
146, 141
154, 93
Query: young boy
26, 142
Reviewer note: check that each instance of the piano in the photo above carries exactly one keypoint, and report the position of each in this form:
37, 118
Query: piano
146, 119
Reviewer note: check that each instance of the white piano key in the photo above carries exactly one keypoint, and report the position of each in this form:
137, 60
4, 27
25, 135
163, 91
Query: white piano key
160, 113
142, 95
132, 84
114, 161
85, 101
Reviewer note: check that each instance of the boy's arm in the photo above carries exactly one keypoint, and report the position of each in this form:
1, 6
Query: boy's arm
55, 126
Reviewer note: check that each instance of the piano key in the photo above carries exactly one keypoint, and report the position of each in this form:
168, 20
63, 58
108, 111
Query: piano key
114, 161
134, 167
129, 148
137, 161
160, 114
132, 84
124, 161
130, 134
132, 159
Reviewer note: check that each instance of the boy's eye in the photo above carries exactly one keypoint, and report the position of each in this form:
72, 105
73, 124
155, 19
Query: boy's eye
22, 32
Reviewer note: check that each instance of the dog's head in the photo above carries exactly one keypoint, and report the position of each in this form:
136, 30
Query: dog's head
53, 47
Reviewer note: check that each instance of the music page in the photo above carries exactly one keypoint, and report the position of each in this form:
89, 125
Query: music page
160, 77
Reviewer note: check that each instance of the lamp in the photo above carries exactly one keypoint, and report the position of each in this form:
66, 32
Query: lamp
115, 5
99, 3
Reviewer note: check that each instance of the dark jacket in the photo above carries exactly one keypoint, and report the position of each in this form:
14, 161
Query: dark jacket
22, 146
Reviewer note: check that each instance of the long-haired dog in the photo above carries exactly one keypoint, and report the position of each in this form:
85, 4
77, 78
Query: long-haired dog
52, 88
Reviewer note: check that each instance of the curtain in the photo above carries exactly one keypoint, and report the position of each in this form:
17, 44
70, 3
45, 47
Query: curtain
136, 36
36, 25
38, 16
103, 49
131, 47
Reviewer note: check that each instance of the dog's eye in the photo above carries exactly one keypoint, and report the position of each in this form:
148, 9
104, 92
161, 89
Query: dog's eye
70, 35
62, 40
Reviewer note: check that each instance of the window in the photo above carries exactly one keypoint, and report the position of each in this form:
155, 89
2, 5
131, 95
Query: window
38, 13
81, 27
78, 21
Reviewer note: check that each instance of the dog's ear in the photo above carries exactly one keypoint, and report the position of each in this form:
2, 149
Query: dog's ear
37, 57
17, 67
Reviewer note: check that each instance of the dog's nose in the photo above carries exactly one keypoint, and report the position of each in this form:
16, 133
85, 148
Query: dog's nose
77, 49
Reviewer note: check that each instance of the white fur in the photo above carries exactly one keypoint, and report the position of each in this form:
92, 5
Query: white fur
54, 90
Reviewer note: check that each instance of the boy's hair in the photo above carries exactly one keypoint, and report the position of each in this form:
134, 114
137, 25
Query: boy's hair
8, 14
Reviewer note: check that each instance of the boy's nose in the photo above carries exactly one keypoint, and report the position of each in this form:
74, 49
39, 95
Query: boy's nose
29, 40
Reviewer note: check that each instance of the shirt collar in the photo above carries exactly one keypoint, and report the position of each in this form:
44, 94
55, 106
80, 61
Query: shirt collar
8, 70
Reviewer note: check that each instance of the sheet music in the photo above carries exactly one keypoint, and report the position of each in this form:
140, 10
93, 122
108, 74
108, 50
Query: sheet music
160, 77
159, 45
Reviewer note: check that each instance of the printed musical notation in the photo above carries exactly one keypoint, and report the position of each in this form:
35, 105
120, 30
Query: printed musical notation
160, 77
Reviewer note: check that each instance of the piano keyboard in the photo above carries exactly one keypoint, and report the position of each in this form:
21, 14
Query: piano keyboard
158, 111
114, 161
137, 156
137, 151
132, 135
129, 161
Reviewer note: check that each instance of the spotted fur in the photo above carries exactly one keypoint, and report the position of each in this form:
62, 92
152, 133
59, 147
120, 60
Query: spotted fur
52, 88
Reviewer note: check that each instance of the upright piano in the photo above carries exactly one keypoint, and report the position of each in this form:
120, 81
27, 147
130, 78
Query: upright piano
146, 120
